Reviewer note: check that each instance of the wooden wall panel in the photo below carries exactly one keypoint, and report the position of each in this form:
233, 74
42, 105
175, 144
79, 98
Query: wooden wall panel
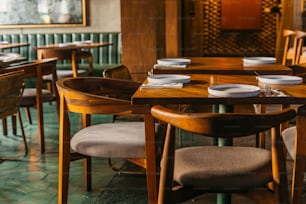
240, 14
207, 38
143, 41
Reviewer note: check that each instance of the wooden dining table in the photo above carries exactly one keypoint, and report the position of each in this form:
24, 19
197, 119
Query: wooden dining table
70, 49
196, 92
12, 45
222, 65
17, 59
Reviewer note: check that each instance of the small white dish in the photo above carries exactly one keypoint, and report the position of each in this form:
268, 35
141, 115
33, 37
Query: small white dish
66, 44
168, 78
173, 61
280, 79
234, 90
4, 42
6, 57
259, 60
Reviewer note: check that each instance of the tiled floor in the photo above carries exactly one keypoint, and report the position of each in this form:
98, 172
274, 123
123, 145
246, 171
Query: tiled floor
34, 179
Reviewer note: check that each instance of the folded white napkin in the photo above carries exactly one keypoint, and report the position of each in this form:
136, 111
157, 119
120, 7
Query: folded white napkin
169, 66
3, 42
66, 44
82, 42
159, 86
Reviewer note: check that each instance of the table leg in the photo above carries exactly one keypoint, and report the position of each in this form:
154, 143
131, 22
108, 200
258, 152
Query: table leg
300, 156
225, 109
151, 169
74, 63
223, 198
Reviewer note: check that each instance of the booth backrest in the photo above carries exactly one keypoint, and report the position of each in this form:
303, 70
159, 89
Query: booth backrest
101, 56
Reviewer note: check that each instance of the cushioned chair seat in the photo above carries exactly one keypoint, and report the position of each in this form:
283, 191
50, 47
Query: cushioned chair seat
65, 73
29, 96
289, 139
222, 167
116, 140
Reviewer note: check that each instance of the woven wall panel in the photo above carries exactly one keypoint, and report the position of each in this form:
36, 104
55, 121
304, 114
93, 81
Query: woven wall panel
210, 40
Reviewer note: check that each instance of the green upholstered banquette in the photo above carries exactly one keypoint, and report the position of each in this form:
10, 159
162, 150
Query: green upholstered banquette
103, 57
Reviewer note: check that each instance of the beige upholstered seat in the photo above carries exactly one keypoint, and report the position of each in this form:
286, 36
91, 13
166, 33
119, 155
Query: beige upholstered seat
111, 140
217, 169
289, 139
66, 55
96, 95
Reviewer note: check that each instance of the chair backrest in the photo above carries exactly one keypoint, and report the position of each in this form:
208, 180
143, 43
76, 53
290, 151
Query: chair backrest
121, 72
96, 95
226, 125
12, 84
50, 53
289, 36
300, 35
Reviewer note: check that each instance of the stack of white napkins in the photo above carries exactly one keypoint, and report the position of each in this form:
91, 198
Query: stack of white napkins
253, 61
159, 86
166, 81
169, 66
66, 44
3, 42
172, 63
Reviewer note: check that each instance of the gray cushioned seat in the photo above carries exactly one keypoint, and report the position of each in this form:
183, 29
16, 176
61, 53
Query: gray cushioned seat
116, 140
29, 96
65, 73
289, 139
221, 167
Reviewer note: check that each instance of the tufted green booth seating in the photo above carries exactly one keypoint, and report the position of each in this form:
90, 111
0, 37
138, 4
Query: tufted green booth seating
103, 57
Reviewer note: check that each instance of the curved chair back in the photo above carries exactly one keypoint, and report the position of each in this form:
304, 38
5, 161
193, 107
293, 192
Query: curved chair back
96, 95
10, 96
288, 35
121, 72
300, 35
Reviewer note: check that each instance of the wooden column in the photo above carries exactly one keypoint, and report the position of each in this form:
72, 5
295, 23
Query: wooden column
142, 29
172, 16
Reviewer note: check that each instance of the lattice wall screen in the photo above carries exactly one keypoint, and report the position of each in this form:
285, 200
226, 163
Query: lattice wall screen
209, 40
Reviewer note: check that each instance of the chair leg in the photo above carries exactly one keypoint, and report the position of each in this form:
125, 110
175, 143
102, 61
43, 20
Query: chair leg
14, 124
23, 134
26, 149
4, 126
87, 173
28, 114
90, 62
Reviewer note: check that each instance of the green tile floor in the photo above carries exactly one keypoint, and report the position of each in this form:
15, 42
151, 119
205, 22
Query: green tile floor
34, 179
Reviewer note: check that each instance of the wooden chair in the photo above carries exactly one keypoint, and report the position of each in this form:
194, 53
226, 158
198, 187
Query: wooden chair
122, 73
66, 55
35, 97
299, 58
296, 151
289, 53
191, 171
12, 84
96, 95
